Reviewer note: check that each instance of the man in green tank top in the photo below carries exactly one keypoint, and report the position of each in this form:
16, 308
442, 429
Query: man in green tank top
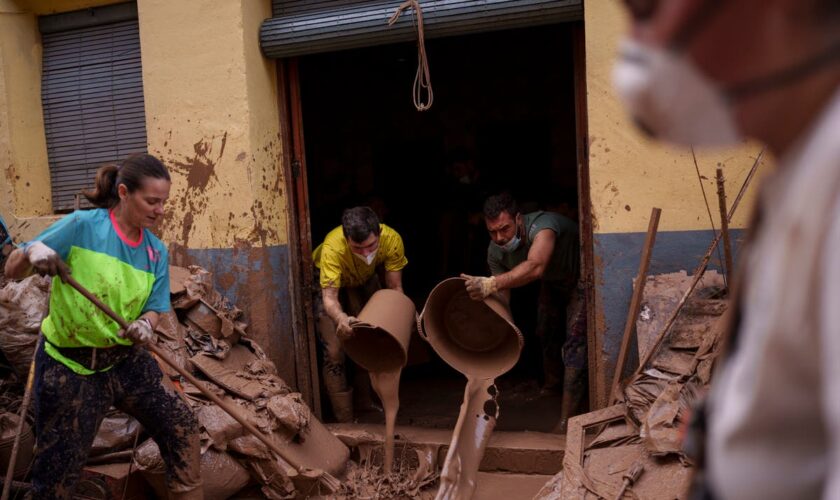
541, 246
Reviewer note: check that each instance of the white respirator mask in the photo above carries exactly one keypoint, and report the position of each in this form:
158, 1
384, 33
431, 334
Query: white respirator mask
670, 99
367, 259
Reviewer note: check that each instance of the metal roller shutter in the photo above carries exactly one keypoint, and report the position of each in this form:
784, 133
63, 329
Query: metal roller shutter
92, 93
301, 27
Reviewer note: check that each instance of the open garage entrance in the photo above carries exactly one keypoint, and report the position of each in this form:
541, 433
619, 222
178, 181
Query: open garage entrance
504, 118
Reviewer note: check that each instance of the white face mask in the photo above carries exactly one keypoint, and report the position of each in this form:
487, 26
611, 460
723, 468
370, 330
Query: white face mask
367, 259
513, 243
669, 97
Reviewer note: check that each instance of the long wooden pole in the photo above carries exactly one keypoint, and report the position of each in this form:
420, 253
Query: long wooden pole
635, 301
724, 223
24, 407
325, 478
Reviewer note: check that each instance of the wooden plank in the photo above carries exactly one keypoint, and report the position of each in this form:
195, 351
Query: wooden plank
575, 441
635, 301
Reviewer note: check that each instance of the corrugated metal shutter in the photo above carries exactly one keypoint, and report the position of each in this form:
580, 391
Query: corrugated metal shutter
92, 92
307, 27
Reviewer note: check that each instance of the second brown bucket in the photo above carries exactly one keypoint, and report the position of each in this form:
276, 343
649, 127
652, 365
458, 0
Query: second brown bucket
380, 339
477, 338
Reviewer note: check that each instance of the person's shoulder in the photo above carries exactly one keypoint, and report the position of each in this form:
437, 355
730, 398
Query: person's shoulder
388, 232
334, 241
93, 215
552, 220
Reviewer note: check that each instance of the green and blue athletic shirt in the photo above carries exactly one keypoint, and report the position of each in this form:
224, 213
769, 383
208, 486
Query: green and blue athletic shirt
131, 277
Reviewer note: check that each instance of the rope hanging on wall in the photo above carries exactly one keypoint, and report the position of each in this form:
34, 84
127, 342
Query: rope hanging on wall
422, 80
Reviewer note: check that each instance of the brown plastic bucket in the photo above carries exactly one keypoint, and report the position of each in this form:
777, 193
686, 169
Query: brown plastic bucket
380, 339
477, 338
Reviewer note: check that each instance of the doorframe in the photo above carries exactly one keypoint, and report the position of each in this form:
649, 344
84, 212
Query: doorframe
300, 233
585, 211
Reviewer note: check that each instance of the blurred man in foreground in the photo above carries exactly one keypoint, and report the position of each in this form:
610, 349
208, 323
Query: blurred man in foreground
696, 72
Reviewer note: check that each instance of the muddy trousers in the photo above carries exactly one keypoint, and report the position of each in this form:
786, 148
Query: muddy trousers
334, 371
561, 328
70, 407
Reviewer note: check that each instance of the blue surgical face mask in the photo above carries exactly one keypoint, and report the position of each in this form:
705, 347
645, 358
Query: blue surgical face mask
511, 245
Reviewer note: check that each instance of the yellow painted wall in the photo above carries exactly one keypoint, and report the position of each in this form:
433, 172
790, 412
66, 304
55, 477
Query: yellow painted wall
212, 117
25, 191
629, 174
211, 114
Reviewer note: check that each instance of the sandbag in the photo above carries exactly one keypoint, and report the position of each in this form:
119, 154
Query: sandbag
23, 305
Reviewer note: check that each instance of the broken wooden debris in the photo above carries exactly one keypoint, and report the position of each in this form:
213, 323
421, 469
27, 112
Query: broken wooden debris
644, 428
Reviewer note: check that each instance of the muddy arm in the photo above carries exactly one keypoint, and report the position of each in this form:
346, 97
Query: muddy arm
533, 267
393, 280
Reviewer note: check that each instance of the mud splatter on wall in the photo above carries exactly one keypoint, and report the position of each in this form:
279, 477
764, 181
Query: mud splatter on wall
212, 117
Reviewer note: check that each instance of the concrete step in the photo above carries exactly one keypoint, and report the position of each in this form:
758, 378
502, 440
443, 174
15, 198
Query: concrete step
512, 452
506, 486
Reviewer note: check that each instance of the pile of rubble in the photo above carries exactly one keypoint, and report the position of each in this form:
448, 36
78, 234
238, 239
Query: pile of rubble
639, 439
203, 334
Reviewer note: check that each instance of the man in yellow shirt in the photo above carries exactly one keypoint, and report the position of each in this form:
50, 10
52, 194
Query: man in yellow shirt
349, 265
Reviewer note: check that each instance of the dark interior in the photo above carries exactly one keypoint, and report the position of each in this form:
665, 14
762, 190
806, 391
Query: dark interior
503, 115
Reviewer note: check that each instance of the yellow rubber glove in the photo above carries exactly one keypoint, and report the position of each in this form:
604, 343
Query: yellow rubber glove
480, 287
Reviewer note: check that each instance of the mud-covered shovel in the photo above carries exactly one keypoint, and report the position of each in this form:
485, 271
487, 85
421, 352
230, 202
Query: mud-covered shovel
325, 479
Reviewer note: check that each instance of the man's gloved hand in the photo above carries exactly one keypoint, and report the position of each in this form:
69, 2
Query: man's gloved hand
344, 329
480, 287
139, 331
43, 258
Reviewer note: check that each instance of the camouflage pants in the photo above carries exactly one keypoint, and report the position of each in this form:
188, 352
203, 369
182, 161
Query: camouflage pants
561, 328
353, 300
70, 407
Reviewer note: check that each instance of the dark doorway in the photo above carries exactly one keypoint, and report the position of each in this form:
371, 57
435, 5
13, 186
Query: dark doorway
503, 118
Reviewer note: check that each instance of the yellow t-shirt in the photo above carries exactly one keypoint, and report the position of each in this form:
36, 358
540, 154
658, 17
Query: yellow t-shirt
340, 268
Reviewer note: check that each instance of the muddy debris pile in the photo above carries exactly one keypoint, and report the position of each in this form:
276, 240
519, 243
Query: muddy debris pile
415, 473
205, 335
642, 432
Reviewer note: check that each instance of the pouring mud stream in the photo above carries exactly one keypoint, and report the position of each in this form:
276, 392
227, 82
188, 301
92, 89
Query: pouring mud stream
387, 386
380, 345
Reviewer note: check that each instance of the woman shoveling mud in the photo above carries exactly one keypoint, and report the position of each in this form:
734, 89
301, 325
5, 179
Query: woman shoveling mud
86, 363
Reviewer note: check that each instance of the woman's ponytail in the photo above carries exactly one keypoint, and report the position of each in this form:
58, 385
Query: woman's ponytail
130, 172
104, 194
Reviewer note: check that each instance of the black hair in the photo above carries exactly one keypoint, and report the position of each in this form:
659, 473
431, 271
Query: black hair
131, 172
359, 223
498, 203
